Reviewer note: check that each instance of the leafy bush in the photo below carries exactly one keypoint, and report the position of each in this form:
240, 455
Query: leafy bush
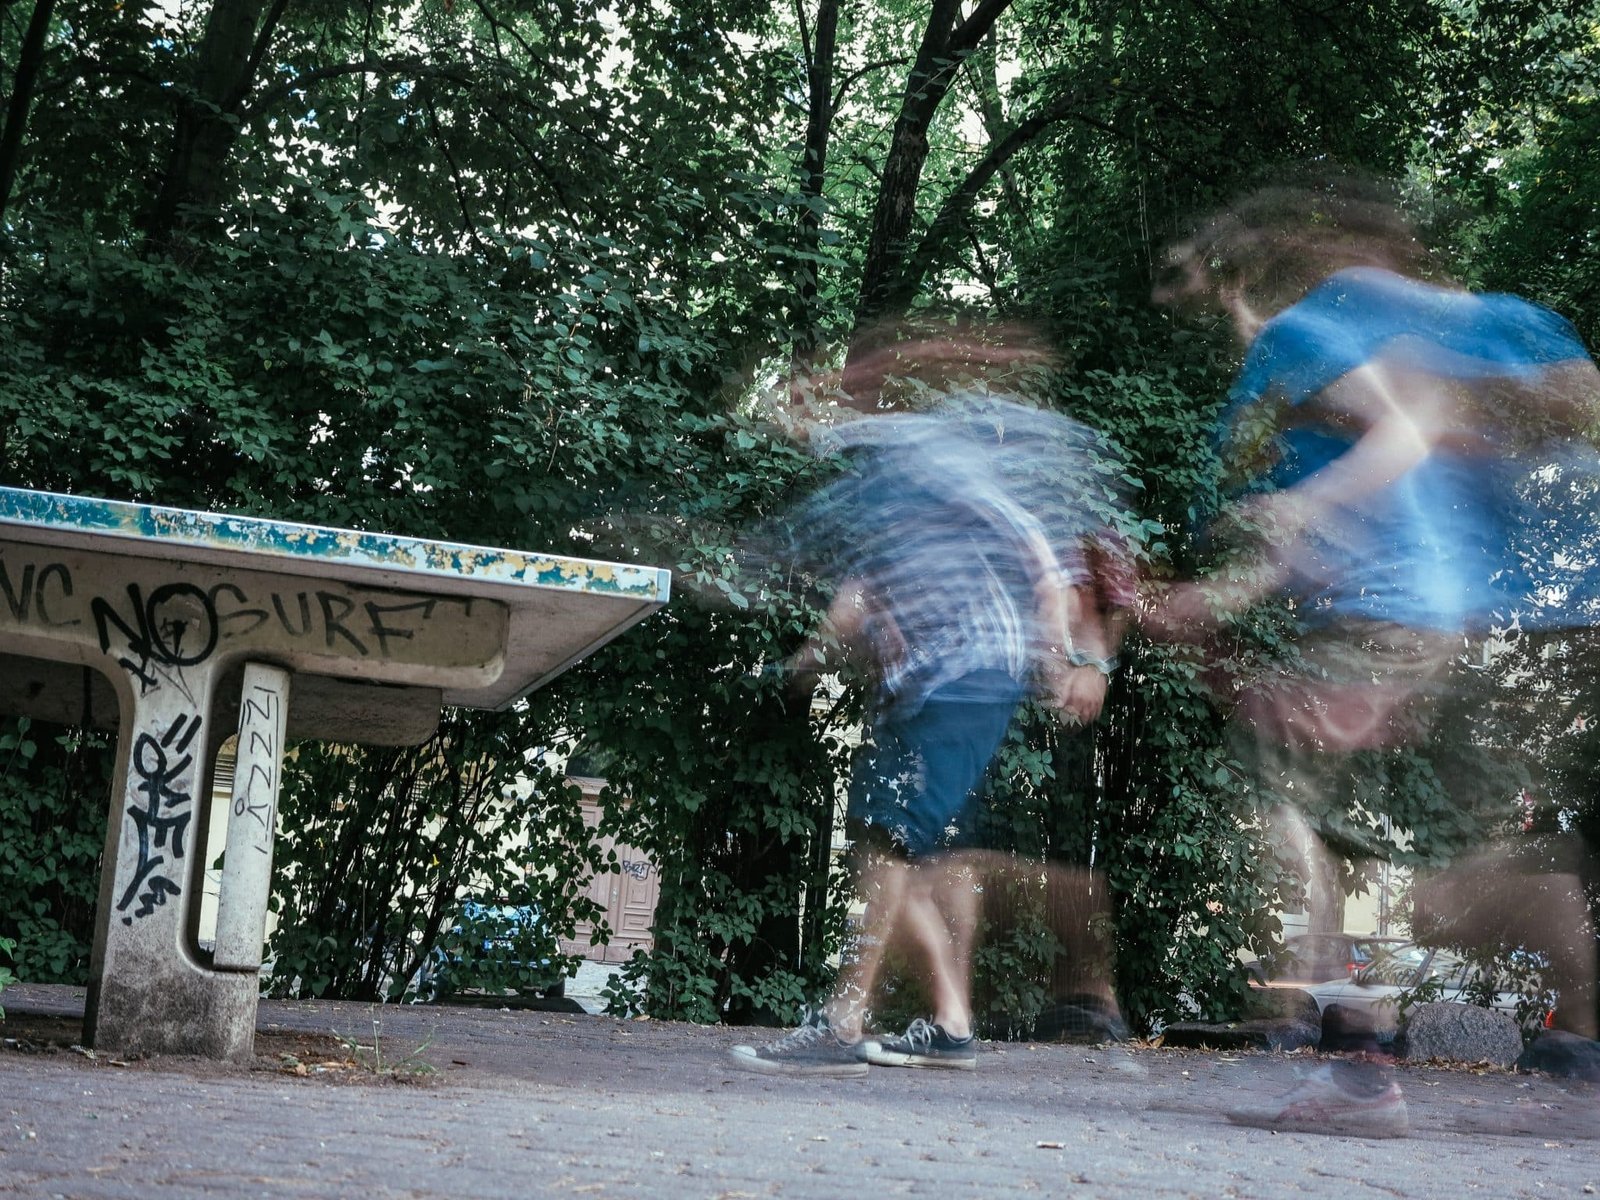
53, 789
7, 947
378, 846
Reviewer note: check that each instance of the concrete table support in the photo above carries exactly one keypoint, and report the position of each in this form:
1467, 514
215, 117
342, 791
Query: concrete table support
179, 628
252, 821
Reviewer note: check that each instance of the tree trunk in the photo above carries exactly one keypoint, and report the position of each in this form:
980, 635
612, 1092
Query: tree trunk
207, 121
28, 60
945, 42
819, 127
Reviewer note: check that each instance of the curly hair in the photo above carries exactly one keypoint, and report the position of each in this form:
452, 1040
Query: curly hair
909, 363
1279, 241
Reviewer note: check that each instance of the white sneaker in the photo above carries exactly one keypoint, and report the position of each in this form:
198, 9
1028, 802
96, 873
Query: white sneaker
1318, 1104
812, 1049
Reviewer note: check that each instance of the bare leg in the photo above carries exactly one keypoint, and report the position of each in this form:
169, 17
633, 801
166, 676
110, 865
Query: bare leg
1493, 899
924, 922
883, 881
960, 903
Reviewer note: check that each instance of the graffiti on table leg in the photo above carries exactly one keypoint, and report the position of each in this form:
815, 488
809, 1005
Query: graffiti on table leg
163, 818
258, 732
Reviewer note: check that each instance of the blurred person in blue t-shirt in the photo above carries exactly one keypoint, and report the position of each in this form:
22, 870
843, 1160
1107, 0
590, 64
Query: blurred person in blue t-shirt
1413, 474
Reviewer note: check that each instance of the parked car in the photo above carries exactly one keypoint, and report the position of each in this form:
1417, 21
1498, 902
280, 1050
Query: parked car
494, 948
1317, 957
1379, 988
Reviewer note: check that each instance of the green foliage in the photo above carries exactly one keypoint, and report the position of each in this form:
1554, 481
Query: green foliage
1542, 238
53, 786
470, 813
1502, 971
1014, 964
737, 815
8, 947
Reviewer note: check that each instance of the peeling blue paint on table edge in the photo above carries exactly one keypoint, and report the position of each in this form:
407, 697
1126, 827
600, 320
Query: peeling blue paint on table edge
287, 541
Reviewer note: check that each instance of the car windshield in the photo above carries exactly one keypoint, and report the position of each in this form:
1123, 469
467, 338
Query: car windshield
1366, 949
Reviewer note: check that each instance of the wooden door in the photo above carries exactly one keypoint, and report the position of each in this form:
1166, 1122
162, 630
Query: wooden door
628, 898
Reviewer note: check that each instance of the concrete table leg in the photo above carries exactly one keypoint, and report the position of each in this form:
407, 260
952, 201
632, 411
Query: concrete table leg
148, 991
252, 820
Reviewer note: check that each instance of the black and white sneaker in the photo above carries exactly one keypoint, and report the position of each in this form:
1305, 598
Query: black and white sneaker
925, 1045
812, 1049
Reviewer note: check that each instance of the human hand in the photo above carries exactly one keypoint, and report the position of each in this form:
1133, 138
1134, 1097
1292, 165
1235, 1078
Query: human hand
1078, 694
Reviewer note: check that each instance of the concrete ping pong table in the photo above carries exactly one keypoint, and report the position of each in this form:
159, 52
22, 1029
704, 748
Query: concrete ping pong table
163, 623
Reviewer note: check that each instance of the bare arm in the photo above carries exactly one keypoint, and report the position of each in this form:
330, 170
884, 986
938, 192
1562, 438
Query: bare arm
845, 627
1404, 415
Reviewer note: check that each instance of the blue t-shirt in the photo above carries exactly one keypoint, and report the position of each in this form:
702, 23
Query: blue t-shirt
1467, 537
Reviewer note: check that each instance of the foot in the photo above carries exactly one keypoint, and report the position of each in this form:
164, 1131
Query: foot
1082, 1018
1324, 1102
812, 1049
925, 1045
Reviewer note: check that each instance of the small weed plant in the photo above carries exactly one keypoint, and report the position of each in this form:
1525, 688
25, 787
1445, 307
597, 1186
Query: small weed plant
374, 1059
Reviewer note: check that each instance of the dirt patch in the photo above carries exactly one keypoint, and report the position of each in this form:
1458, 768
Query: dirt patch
291, 1052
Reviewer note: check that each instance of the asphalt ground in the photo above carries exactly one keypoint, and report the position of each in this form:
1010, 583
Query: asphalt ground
563, 1103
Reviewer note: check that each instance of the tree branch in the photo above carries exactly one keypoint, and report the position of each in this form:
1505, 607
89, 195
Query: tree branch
970, 32
495, 27
557, 185
257, 52
31, 55
985, 271
951, 212
805, 34
467, 224
927, 84
856, 75
393, 65
981, 71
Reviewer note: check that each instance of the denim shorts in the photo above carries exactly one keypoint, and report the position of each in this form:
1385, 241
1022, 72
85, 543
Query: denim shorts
915, 782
